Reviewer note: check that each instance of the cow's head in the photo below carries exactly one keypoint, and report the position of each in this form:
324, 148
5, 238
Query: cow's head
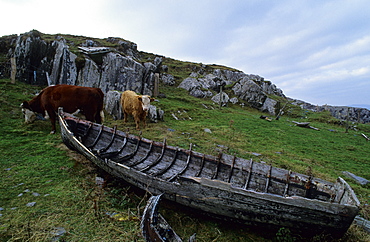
145, 102
29, 116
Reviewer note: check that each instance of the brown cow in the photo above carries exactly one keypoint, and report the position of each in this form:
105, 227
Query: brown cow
135, 105
88, 100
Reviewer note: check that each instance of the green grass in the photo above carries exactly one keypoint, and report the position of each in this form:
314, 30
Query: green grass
32, 161
35, 160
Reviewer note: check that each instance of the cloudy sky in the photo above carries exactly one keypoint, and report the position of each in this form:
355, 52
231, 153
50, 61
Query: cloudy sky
314, 50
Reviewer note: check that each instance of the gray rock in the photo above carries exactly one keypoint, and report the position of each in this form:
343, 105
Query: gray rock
89, 75
220, 96
234, 100
57, 233
112, 104
152, 114
122, 73
31, 204
64, 70
167, 79
269, 106
189, 84
247, 90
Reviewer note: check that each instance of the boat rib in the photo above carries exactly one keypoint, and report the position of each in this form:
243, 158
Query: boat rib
116, 152
246, 185
130, 155
145, 157
185, 167
231, 170
164, 170
157, 160
97, 138
102, 150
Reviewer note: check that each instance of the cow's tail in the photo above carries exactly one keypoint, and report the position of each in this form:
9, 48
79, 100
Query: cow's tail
102, 116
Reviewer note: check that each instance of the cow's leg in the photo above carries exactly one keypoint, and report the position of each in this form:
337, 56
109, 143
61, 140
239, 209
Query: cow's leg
99, 117
125, 117
52, 117
144, 122
137, 122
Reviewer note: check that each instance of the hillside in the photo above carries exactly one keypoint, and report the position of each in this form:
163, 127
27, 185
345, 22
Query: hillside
37, 160
117, 64
38, 164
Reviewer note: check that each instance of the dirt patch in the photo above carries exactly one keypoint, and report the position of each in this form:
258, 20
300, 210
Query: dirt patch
78, 158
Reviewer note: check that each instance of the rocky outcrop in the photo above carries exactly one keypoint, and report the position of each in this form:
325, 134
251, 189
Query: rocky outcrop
64, 70
34, 57
44, 62
112, 104
358, 115
51, 61
251, 89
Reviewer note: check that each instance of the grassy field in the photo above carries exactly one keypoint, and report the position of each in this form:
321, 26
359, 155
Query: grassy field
45, 187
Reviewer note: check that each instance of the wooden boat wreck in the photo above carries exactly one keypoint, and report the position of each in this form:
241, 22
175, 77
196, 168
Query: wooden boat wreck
225, 186
154, 227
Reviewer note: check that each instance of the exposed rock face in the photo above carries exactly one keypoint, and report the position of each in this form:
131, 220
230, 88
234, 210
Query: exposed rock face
50, 62
167, 79
252, 89
37, 58
112, 104
248, 90
126, 47
33, 57
360, 115
64, 70
222, 98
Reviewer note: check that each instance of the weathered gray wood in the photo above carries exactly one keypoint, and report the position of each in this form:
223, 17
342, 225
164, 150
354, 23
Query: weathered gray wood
360, 180
224, 186
367, 138
305, 125
153, 226
13, 69
363, 223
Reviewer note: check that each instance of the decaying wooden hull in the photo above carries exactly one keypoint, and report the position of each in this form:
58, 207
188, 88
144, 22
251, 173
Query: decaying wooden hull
154, 227
226, 186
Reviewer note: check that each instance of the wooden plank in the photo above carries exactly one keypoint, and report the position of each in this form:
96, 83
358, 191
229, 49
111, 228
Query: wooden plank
268, 178
231, 170
249, 175
13, 69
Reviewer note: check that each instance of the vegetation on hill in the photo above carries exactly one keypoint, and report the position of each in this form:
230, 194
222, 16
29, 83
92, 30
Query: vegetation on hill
37, 168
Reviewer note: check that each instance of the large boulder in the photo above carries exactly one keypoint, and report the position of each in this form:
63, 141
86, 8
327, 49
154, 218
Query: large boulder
64, 70
252, 89
167, 79
113, 104
222, 98
269, 106
247, 90
122, 73
34, 58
